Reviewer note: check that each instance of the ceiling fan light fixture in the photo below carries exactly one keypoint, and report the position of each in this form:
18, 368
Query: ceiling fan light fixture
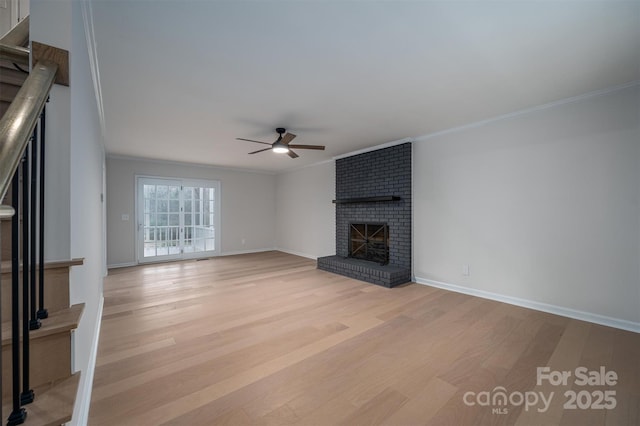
280, 148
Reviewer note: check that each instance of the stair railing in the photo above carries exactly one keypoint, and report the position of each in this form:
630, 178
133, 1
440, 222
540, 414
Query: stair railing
19, 145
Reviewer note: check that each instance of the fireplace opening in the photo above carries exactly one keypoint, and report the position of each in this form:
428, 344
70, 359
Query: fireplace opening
369, 241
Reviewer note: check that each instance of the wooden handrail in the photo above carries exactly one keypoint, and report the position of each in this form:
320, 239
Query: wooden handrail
18, 122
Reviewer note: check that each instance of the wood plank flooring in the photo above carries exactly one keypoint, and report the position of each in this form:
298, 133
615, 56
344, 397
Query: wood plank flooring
268, 339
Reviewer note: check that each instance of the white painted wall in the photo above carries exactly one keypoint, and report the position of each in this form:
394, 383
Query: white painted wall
306, 217
46, 22
247, 198
86, 237
50, 23
19, 9
6, 18
543, 206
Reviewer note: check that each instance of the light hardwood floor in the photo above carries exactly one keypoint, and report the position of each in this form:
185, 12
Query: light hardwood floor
268, 339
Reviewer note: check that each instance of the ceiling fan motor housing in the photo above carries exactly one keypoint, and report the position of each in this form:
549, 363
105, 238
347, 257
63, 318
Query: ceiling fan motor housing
280, 131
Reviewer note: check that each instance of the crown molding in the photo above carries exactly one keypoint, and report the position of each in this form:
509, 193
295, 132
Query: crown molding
373, 148
594, 94
89, 33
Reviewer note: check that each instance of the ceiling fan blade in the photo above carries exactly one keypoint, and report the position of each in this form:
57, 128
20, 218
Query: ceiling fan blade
318, 147
288, 138
261, 150
292, 154
249, 140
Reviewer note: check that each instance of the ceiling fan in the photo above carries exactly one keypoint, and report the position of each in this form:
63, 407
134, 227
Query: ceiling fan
283, 144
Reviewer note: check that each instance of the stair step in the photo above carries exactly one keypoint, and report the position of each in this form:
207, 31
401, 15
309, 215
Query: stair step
49, 346
5, 233
4, 106
12, 76
58, 322
56, 285
8, 91
5, 265
53, 404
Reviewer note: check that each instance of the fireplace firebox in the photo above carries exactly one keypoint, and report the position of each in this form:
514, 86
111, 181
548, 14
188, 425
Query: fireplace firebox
369, 241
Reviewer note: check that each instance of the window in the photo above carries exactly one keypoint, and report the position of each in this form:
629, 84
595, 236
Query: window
177, 218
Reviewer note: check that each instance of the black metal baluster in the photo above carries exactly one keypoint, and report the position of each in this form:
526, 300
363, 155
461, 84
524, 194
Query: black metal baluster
26, 396
5, 212
18, 414
34, 322
1, 399
42, 312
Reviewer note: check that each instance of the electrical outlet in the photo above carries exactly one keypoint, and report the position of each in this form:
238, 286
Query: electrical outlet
243, 241
125, 217
465, 270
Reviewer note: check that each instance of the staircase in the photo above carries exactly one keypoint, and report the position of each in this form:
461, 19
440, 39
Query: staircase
32, 280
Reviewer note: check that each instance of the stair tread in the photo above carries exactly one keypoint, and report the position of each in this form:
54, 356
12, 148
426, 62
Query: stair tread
5, 265
53, 404
58, 322
12, 76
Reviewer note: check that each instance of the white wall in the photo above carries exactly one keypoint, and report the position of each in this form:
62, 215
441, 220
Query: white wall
6, 17
247, 203
543, 207
306, 215
86, 236
50, 23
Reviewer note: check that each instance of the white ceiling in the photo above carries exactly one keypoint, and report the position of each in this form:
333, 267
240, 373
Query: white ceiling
182, 79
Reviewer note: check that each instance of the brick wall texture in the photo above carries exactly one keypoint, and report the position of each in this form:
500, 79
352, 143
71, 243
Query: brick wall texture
382, 172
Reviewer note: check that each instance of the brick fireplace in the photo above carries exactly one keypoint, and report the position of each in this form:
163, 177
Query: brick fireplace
373, 192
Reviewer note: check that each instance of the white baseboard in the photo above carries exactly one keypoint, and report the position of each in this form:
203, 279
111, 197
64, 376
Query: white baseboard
226, 253
297, 253
538, 306
236, 252
121, 265
81, 410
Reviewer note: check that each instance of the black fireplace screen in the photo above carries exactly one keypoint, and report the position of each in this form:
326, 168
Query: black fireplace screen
369, 241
